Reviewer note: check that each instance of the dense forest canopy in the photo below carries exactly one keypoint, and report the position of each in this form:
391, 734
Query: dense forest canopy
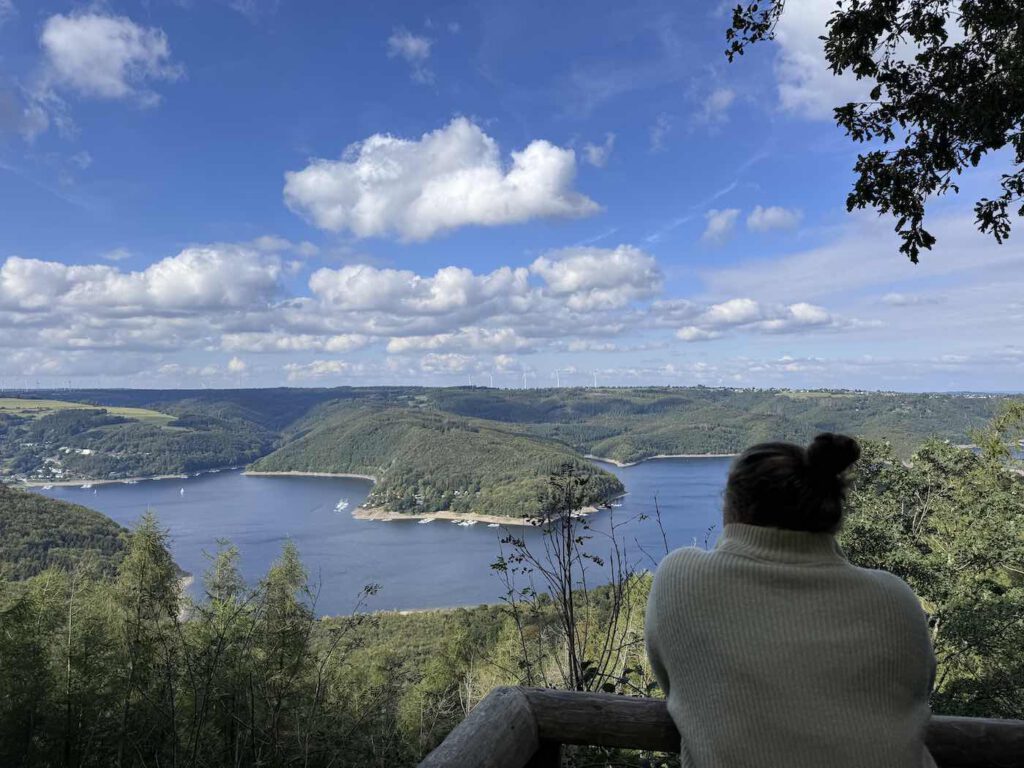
425, 460
118, 667
37, 533
63, 441
462, 448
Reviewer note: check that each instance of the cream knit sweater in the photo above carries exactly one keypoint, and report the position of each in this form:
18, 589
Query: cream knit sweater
774, 651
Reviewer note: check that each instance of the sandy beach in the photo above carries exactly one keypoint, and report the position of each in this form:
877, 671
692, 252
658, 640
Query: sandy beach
384, 515
351, 475
79, 483
86, 481
623, 464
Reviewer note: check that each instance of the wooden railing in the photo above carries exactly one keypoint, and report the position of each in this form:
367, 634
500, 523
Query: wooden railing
526, 728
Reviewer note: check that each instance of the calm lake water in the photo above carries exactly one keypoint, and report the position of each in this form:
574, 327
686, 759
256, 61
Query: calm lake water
417, 566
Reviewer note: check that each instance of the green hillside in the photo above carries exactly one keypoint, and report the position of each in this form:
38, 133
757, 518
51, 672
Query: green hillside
633, 424
66, 440
458, 448
37, 533
426, 461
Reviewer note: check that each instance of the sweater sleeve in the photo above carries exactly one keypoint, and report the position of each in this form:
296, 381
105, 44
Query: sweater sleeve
651, 629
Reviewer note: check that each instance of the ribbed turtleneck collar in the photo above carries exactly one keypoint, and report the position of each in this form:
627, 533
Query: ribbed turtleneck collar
780, 545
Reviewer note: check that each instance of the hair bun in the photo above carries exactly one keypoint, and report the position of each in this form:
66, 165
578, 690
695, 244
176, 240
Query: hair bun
830, 454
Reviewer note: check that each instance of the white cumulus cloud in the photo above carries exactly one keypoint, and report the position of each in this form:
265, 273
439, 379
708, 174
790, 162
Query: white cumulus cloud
278, 341
715, 108
448, 363
448, 178
318, 369
695, 333
720, 225
415, 50
764, 219
402, 292
806, 85
599, 278
107, 57
466, 339
747, 314
598, 154
200, 277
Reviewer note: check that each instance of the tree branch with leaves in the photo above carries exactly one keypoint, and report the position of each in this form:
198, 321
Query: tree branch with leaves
948, 90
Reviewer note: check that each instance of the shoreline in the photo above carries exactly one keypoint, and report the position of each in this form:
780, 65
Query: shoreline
624, 464
80, 483
385, 516
125, 480
297, 473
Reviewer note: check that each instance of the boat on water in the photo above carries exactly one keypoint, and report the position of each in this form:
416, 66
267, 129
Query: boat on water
181, 492
426, 520
130, 482
87, 486
47, 487
493, 525
467, 523
615, 505
341, 506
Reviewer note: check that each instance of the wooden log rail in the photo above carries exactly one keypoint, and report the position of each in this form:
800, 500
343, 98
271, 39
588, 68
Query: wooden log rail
526, 727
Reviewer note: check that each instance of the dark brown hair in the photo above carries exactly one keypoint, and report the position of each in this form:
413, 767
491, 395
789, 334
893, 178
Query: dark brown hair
782, 485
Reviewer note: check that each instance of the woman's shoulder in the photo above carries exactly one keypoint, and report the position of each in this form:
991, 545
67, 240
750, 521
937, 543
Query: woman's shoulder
886, 583
682, 562
891, 592
683, 555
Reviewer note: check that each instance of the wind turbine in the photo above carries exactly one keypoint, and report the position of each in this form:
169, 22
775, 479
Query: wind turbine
595, 379
490, 377
558, 378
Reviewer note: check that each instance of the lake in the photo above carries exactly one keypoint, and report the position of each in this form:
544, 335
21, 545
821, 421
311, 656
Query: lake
417, 566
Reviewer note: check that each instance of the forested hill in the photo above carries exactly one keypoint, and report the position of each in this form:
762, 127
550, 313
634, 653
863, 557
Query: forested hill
37, 533
426, 461
492, 446
634, 424
67, 439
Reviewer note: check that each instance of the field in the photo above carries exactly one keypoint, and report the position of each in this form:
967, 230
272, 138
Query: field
37, 408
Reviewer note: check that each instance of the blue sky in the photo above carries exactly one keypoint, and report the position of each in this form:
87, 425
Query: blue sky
259, 193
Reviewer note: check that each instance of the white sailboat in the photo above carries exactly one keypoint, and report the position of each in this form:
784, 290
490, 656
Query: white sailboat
426, 520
